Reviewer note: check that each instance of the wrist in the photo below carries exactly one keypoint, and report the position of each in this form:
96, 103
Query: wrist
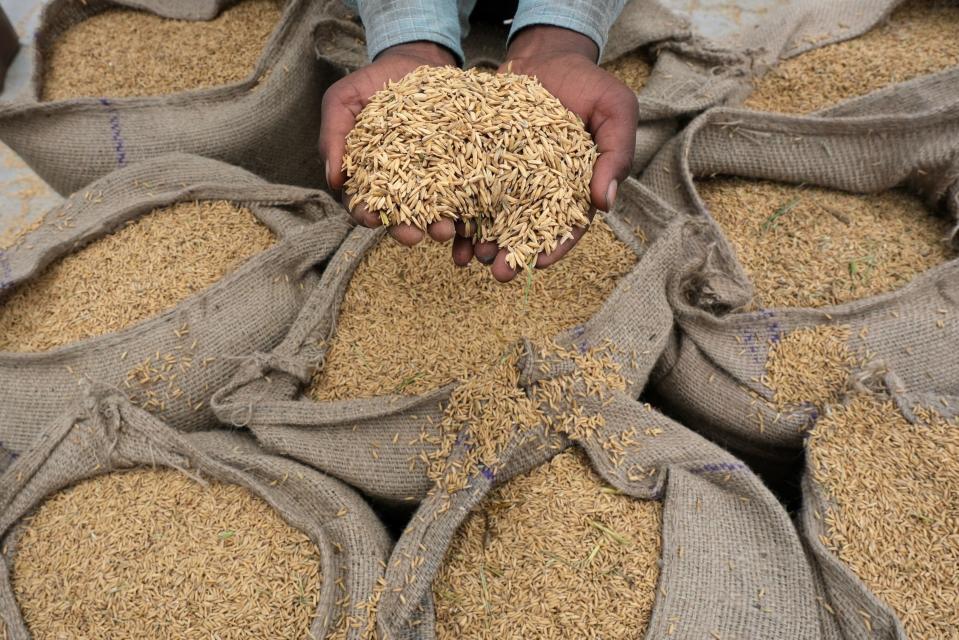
540, 39
429, 52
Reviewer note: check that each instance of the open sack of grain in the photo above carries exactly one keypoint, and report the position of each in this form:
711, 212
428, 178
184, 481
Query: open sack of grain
116, 525
905, 40
827, 244
881, 513
119, 81
638, 528
154, 281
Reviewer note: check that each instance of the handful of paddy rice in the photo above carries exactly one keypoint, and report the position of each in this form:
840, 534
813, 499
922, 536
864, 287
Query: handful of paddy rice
497, 152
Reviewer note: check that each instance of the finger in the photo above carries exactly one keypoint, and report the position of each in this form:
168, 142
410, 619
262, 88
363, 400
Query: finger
613, 125
361, 213
336, 121
486, 251
462, 251
501, 269
464, 230
442, 230
544, 260
406, 234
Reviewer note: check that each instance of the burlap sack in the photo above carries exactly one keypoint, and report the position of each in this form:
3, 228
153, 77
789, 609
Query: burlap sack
725, 538
710, 374
268, 123
249, 309
105, 433
370, 443
849, 600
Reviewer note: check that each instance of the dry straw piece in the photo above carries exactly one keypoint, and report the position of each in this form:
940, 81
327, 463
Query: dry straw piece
893, 513
632, 69
139, 271
447, 323
806, 246
153, 553
809, 366
495, 150
124, 52
918, 39
555, 553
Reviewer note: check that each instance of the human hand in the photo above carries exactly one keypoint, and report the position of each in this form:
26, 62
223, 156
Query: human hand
343, 102
564, 61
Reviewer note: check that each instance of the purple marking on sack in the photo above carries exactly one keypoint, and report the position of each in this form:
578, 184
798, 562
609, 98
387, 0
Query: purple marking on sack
755, 342
719, 467
115, 132
487, 473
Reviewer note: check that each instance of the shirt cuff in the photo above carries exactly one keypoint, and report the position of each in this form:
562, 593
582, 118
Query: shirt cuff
391, 22
592, 18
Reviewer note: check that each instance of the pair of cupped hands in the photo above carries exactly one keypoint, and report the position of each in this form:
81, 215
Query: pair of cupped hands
564, 62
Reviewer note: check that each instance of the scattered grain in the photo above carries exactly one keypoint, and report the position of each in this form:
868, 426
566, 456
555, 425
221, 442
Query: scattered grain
894, 515
551, 555
812, 247
446, 322
918, 39
124, 52
632, 69
152, 553
809, 366
497, 151
137, 272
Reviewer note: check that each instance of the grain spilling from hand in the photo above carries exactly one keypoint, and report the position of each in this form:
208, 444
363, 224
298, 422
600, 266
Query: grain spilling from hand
809, 367
124, 52
918, 39
446, 322
553, 554
143, 269
894, 507
496, 151
632, 69
154, 554
813, 247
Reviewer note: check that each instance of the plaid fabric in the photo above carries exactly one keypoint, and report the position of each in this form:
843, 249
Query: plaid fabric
392, 22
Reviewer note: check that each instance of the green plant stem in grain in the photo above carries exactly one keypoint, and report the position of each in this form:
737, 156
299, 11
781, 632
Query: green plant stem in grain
779, 213
613, 535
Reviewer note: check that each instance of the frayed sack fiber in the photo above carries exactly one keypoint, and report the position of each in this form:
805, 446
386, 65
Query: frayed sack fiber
879, 513
730, 562
379, 435
756, 377
268, 122
104, 433
173, 360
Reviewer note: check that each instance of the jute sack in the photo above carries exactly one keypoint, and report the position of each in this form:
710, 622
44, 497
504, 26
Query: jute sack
689, 74
104, 433
249, 309
268, 123
711, 374
375, 443
851, 605
732, 565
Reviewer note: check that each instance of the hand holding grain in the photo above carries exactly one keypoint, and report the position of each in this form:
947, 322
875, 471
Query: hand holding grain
343, 102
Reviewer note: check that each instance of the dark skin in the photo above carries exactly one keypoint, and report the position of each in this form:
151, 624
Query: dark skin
564, 61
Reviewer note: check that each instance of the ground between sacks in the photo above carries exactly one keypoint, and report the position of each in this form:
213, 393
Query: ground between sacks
125, 52
153, 553
918, 39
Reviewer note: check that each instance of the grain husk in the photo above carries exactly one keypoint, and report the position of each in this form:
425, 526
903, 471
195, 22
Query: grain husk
326, 527
159, 554
917, 39
172, 361
125, 52
880, 514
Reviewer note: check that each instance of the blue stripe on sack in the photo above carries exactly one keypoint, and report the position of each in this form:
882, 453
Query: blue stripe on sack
115, 132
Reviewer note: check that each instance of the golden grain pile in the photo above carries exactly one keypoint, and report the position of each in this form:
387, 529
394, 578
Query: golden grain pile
813, 247
553, 554
894, 515
809, 366
139, 271
918, 39
124, 52
632, 69
495, 150
154, 554
447, 322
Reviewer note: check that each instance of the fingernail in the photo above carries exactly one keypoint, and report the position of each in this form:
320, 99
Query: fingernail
611, 195
327, 173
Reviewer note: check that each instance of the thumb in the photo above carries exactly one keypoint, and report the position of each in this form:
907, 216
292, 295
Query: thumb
613, 125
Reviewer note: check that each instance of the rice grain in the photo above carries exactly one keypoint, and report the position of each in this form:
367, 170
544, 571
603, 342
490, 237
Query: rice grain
632, 69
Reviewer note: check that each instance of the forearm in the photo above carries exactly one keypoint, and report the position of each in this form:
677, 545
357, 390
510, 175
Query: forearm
392, 22
592, 18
